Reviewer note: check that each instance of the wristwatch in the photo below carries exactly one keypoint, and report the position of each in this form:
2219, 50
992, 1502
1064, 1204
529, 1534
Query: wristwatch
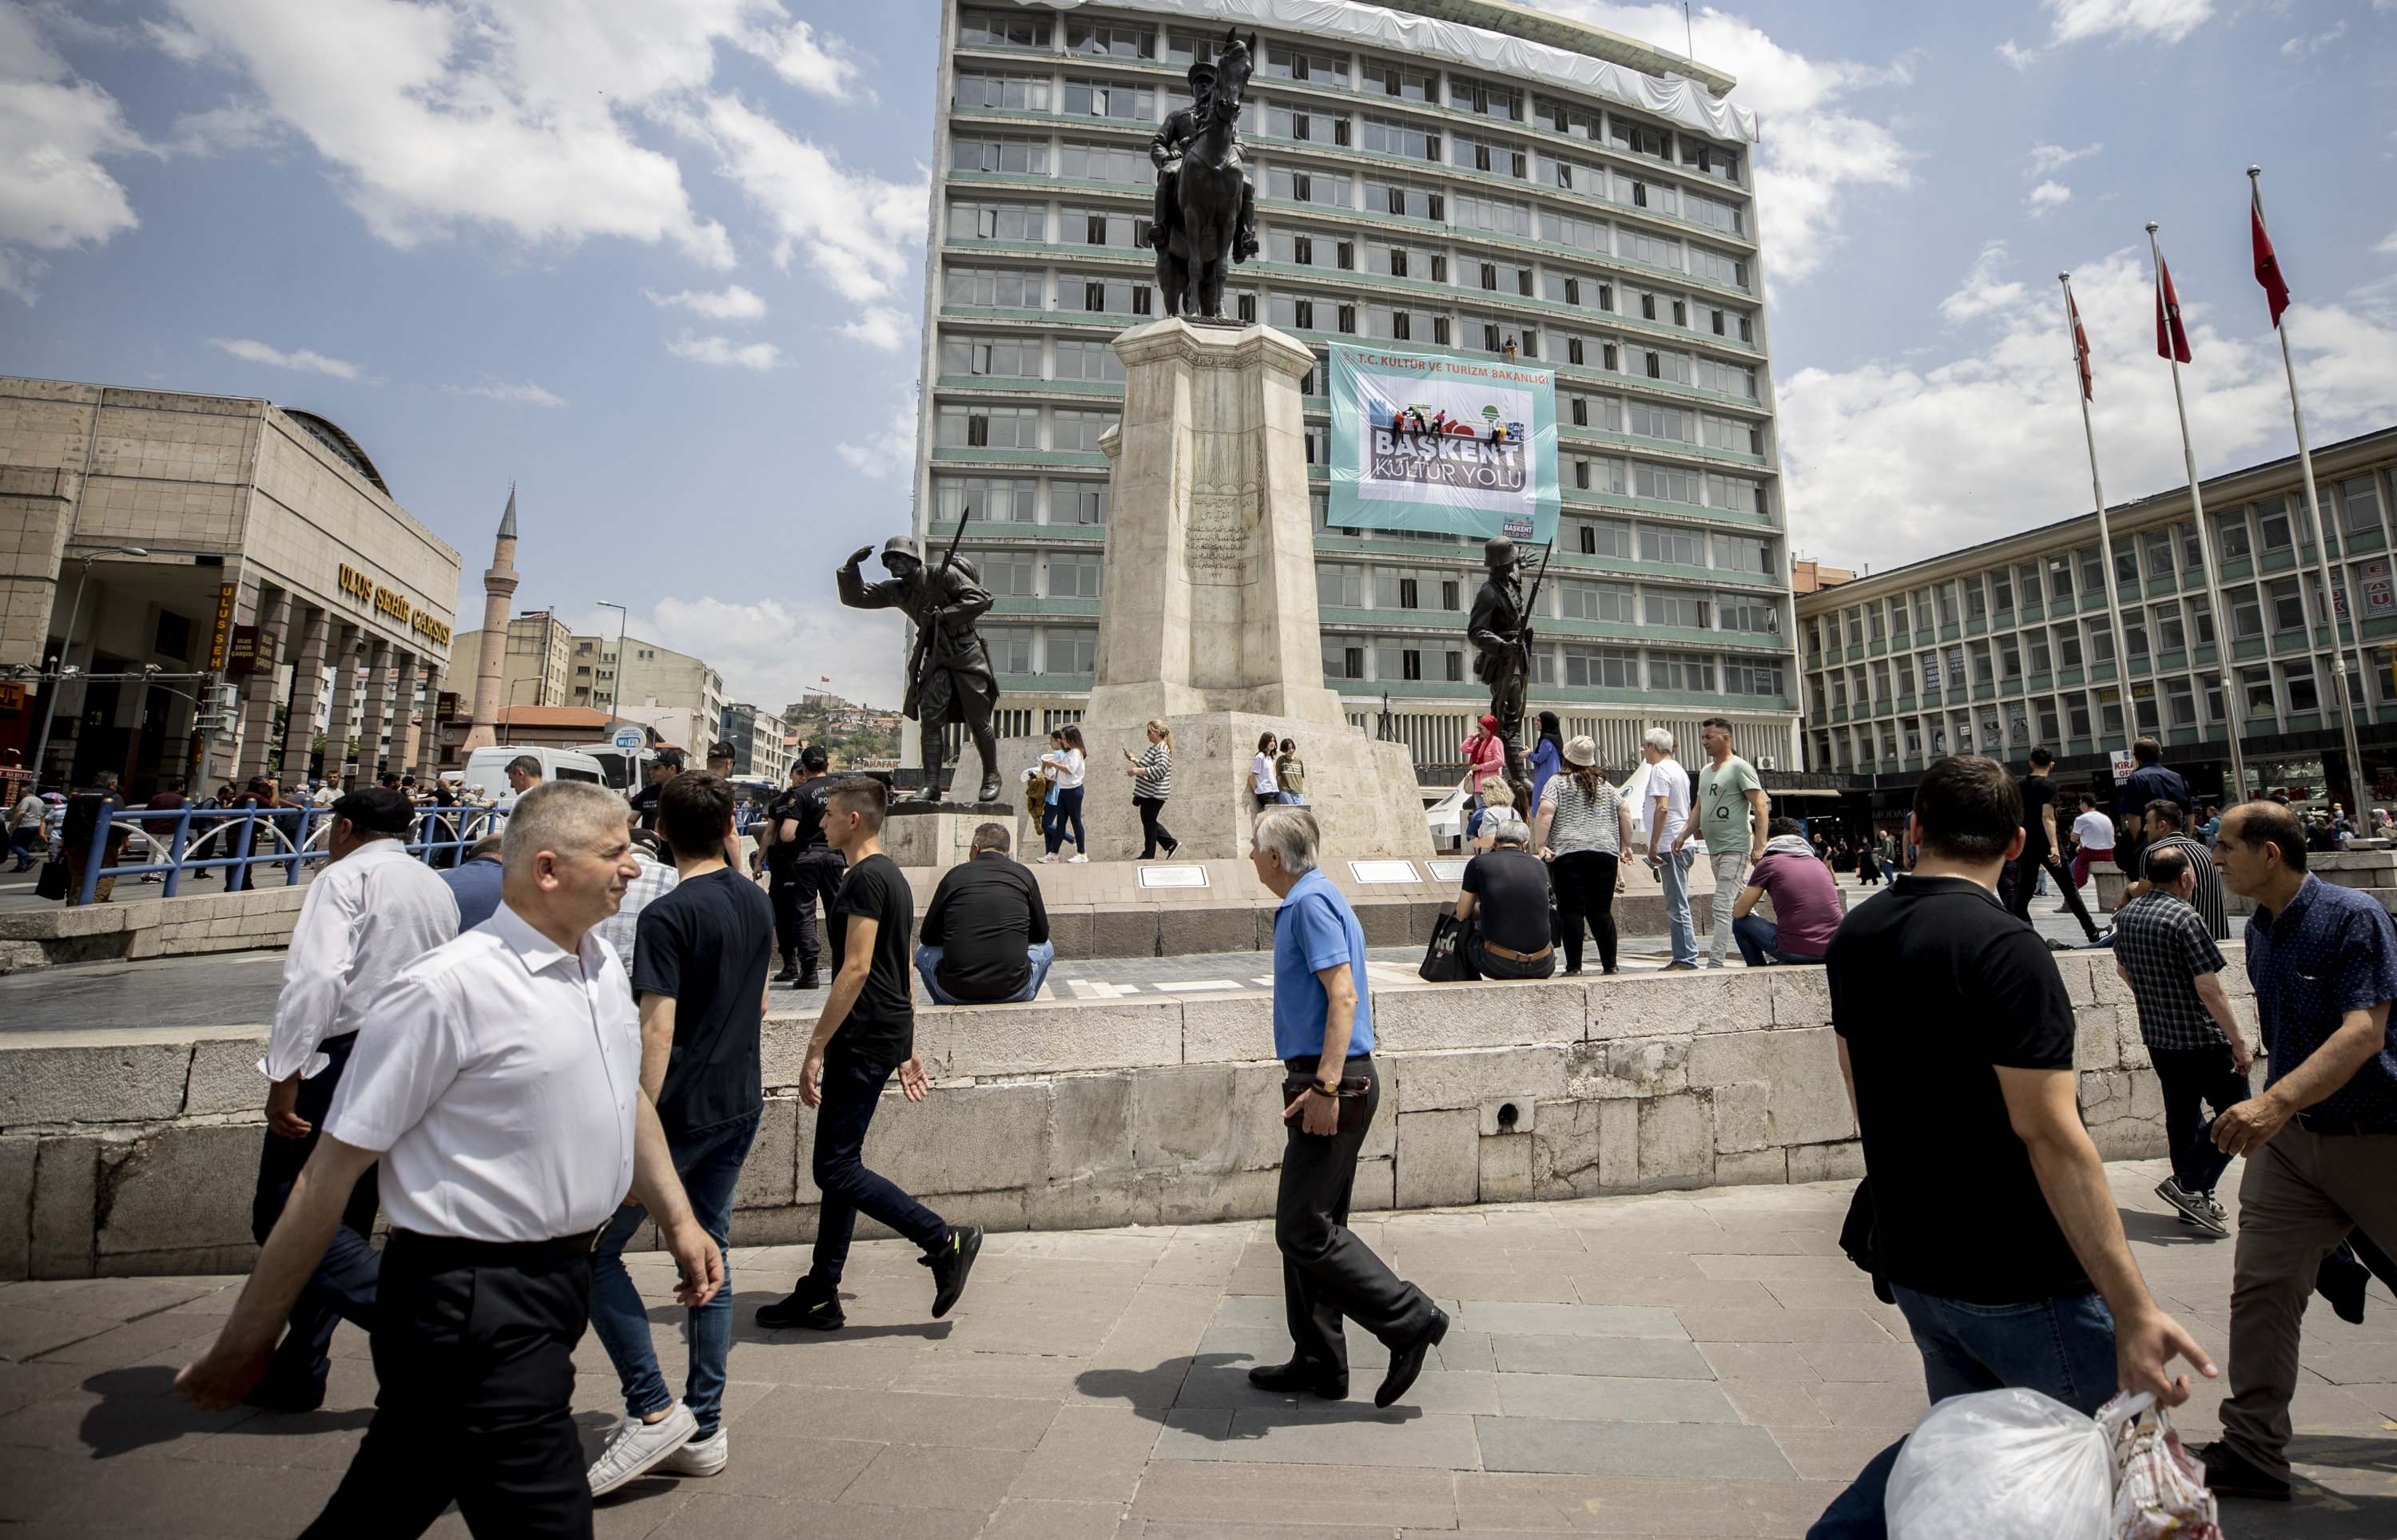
1329, 1087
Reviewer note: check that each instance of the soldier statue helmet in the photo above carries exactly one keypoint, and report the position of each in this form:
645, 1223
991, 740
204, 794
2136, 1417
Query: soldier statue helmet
1499, 555
898, 555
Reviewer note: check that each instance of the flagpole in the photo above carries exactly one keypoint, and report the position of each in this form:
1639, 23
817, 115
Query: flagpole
2355, 785
2104, 536
2234, 708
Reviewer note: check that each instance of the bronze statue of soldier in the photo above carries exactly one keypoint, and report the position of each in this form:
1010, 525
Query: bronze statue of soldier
1500, 629
1205, 217
949, 678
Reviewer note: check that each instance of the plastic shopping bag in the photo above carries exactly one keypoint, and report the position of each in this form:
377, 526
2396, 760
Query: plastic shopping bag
2003, 1465
2159, 1493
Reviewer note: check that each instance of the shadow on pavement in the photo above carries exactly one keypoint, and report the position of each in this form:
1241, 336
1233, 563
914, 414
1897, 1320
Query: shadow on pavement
137, 1407
1248, 1413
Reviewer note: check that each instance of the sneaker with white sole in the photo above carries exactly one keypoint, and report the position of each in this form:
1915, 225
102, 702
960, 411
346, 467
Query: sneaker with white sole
1078, 860
640, 1445
699, 1457
2197, 1208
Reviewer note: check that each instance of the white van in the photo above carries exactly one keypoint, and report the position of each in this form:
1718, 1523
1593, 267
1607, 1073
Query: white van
489, 768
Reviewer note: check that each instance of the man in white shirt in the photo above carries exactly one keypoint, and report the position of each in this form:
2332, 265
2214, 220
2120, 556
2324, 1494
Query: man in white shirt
497, 1081
374, 909
2094, 831
1667, 792
524, 774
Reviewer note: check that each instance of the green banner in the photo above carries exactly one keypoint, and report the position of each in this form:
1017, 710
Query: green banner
1436, 442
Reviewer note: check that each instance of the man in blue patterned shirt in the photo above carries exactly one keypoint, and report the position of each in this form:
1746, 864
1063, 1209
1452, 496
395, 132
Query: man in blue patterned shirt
2321, 1140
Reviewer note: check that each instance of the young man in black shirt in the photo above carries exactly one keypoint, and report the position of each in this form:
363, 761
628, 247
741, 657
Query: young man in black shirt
986, 933
867, 1033
1955, 1036
699, 971
666, 767
2041, 846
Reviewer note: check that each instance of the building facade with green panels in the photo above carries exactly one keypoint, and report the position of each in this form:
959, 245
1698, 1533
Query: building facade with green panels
1410, 195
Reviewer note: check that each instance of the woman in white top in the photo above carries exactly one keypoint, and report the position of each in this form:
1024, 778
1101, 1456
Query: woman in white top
1065, 765
1261, 784
1582, 830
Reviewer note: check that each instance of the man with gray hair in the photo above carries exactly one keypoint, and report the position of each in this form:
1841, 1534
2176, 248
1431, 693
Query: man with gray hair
1503, 901
984, 939
1324, 1034
1669, 814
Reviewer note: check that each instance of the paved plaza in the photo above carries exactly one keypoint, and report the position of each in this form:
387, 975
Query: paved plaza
1688, 1364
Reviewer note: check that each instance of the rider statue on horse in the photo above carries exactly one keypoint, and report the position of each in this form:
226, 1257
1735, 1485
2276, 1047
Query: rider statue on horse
1206, 215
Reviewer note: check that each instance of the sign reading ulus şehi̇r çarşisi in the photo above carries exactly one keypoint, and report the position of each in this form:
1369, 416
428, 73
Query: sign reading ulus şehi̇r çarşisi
1430, 442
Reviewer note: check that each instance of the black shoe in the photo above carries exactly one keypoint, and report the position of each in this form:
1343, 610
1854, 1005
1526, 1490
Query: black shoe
807, 980
811, 1302
285, 1398
790, 973
950, 1264
2340, 1279
2233, 1475
1289, 1379
1171, 849
1406, 1363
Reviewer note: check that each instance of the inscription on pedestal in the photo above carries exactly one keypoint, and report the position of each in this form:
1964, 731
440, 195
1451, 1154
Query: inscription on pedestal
1217, 539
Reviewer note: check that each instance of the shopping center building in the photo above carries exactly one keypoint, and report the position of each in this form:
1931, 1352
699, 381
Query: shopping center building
1452, 176
2005, 645
163, 546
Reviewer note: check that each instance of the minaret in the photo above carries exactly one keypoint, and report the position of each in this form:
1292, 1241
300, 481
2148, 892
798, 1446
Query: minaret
499, 587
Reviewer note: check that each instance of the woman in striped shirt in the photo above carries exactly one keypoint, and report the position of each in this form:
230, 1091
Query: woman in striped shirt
1152, 782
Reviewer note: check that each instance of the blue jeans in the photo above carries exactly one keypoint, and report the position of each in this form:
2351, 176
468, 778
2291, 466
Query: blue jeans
852, 1089
1760, 942
2061, 1348
1675, 871
1039, 953
1066, 811
709, 1164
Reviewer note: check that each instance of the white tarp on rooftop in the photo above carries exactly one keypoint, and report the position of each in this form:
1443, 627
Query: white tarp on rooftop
1682, 101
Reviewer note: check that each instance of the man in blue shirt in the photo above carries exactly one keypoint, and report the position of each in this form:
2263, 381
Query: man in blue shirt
2321, 1140
474, 883
1324, 1034
2152, 779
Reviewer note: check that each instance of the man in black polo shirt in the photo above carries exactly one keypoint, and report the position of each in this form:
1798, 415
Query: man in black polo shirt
986, 933
1956, 1037
2040, 846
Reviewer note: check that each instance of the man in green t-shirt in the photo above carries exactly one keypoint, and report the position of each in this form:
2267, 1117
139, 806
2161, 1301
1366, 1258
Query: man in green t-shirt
1732, 813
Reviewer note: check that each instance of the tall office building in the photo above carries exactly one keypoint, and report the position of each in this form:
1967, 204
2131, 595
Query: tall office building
1438, 176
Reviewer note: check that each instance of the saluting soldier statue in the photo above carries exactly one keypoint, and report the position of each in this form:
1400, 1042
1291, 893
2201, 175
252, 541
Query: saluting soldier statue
949, 678
1500, 628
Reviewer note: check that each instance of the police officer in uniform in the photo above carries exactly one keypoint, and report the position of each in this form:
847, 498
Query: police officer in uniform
1165, 153
801, 868
952, 678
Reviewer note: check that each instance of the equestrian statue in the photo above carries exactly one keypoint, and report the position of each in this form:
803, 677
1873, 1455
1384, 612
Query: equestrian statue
1206, 216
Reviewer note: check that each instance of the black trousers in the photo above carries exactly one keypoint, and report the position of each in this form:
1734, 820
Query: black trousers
1584, 884
2187, 1076
343, 1286
2020, 881
814, 875
1153, 831
474, 1352
1327, 1272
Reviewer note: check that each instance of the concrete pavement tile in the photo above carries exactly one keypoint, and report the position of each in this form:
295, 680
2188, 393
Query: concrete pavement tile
1778, 1325
1039, 1519
1091, 1453
1776, 1402
1673, 1293
1831, 1453
1893, 1406
1596, 1320
729, 1517
1589, 1398
1893, 1363
1239, 1491
765, 1463
1435, 1390
828, 1361
25, 1333
1271, 1344
1638, 1357
1600, 1264
1758, 1360
1778, 1267
108, 1298
919, 1475
165, 1340
1517, 1503
1630, 1449
637, 1511
901, 1417
1344, 1433
1152, 1389
1026, 1375
1545, 1288
1181, 1529
23, 1384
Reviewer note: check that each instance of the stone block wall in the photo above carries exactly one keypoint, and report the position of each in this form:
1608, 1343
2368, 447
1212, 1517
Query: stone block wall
133, 1151
136, 927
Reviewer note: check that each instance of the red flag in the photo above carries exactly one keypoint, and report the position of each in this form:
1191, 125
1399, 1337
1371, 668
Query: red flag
2267, 265
2080, 346
2171, 340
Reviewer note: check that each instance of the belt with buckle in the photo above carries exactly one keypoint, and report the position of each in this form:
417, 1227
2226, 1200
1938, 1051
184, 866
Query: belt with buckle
1494, 950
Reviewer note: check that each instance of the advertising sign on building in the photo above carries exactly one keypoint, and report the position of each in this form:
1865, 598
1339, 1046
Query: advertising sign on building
2124, 762
2379, 590
1450, 445
250, 651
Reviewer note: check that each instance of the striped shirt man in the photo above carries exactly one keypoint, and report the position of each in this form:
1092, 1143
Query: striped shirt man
2207, 899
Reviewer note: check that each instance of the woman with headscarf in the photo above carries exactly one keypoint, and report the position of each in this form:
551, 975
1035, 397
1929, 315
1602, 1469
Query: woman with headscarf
1548, 754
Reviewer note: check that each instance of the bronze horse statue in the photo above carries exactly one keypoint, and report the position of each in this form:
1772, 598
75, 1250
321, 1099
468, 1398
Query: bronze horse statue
1211, 203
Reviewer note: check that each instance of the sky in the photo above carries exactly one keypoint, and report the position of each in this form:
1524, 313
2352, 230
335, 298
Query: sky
659, 262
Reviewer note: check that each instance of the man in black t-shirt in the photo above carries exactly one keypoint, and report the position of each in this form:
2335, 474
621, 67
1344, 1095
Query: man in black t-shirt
867, 1033
2041, 846
1997, 1229
699, 971
801, 868
986, 933
1504, 902
666, 767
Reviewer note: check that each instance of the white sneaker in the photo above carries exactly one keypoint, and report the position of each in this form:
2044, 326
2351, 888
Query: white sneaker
1076, 861
699, 1457
638, 1445
1049, 859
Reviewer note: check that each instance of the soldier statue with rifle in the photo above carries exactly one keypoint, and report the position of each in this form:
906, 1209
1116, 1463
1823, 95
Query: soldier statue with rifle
1500, 628
949, 677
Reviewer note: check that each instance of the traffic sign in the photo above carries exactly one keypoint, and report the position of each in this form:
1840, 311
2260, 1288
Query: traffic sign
629, 739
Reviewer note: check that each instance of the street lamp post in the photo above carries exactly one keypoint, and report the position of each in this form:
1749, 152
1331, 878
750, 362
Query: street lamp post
66, 648
616, 680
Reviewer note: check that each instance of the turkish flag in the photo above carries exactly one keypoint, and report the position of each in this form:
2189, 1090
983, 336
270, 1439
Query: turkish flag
2171, 340
2267, 265
2080, 347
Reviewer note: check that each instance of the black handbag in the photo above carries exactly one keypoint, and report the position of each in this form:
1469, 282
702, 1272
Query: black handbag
1444, 960
52, 882
1355, 1105
1860, 1237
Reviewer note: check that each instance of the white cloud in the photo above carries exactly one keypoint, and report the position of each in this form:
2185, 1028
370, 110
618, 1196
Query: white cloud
54, 129
242, 124
733, 303
883, 326
771, 653
302, 361
720, 349
2016, 55
1893, 462
2047, 198
815, 62
888, 451
2045, 158
2166, 21
2303, 46
526, 394
1816, 154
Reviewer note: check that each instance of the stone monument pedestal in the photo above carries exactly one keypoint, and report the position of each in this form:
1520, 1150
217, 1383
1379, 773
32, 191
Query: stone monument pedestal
941, 834
1207, 611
